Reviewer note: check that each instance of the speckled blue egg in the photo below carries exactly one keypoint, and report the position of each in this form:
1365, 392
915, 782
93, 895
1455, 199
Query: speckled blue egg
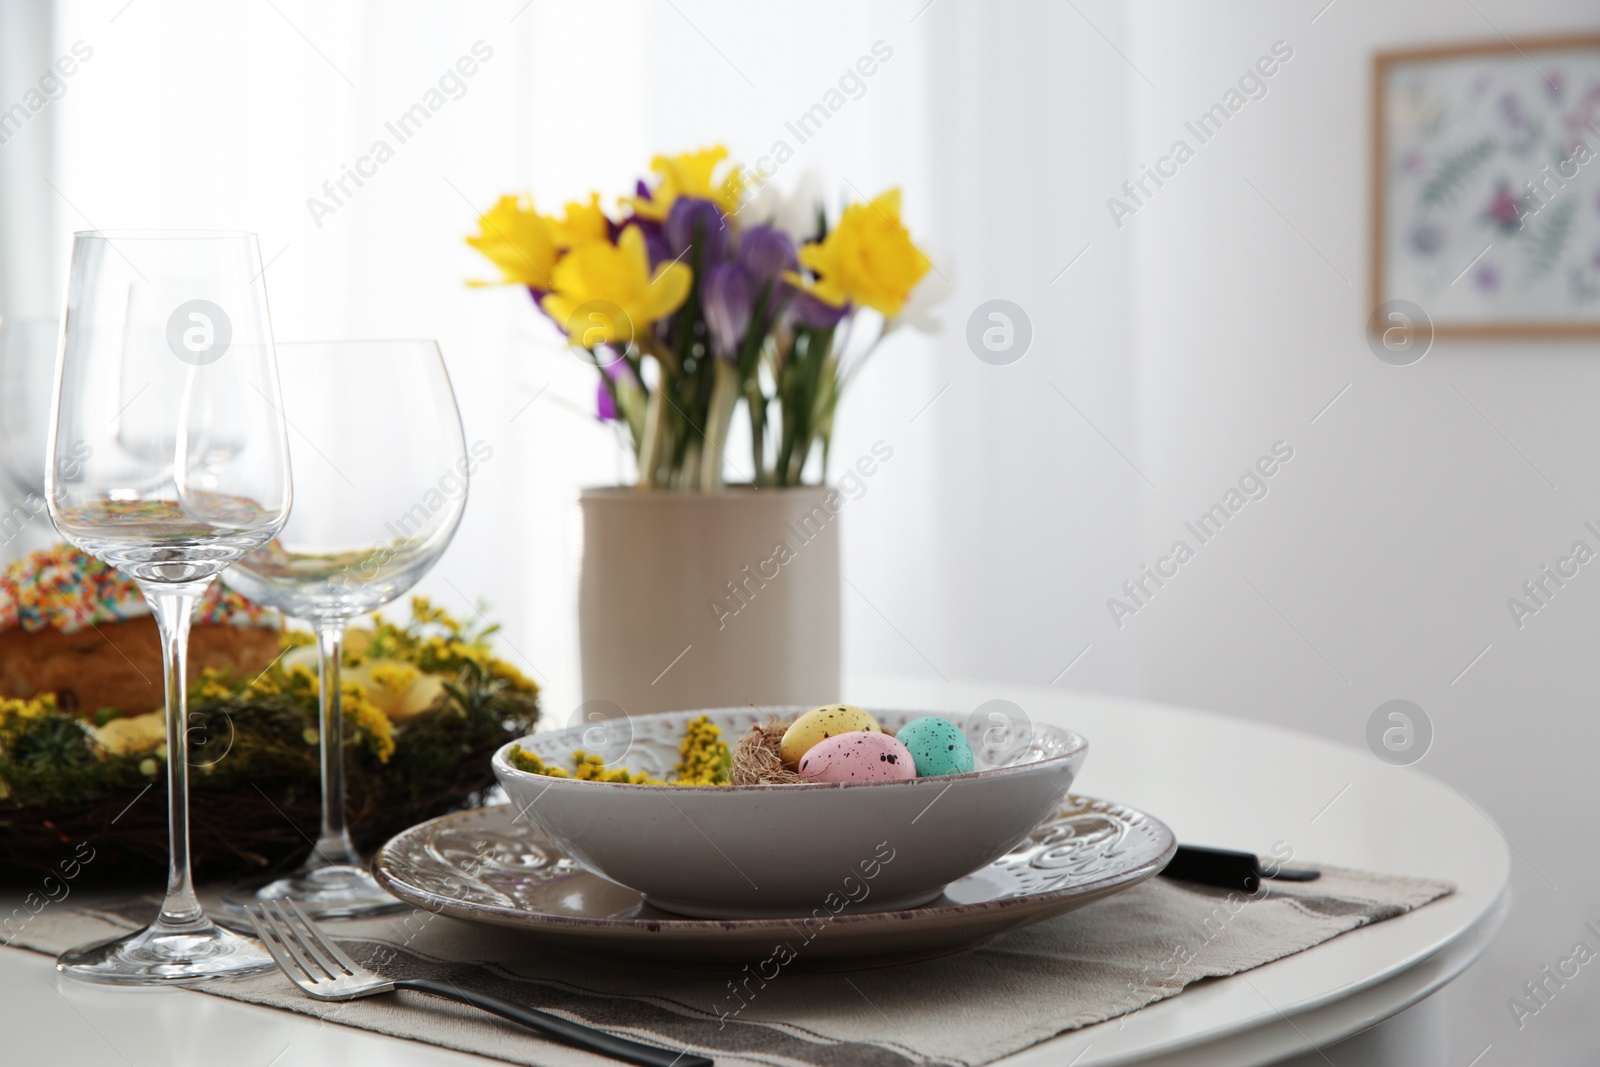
937, 746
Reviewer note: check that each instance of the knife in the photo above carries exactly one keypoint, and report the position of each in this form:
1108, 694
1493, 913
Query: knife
1228, 869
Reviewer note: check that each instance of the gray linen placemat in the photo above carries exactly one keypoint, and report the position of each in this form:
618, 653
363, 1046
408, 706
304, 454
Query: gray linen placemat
1103, 961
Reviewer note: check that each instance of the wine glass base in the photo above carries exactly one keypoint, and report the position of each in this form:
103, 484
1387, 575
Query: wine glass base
166, 956
338, 891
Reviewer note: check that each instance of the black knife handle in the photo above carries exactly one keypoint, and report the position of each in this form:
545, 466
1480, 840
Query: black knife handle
553, 1025
1220, 867
1228, 869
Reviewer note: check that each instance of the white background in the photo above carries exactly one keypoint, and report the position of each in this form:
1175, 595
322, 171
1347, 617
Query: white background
1223, 316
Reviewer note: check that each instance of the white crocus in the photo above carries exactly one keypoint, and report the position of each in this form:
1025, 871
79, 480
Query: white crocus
918, 311
794, 213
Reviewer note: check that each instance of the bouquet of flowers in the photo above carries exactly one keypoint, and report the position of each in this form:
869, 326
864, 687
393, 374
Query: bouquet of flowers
706, 290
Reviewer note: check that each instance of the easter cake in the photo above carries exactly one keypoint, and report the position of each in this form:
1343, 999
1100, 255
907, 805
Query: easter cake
76, 628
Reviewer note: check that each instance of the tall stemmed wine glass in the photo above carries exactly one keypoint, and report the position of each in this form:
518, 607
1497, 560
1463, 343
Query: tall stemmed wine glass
168, 459
380, 474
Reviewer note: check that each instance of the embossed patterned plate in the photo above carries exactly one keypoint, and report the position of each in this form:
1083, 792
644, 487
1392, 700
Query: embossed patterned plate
485, 866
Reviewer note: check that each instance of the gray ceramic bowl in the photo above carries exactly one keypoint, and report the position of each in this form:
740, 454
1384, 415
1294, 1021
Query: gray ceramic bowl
786, 850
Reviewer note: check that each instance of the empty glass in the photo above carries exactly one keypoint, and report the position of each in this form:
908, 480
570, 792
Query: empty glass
380, 473
167, 458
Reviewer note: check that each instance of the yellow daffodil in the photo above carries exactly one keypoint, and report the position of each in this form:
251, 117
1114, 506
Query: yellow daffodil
605, 293
581, 224
518, 240
690, 174
868, 258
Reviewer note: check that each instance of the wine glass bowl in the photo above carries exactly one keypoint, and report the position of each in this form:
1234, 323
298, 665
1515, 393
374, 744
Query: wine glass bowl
381, 466
380, 472
166, 348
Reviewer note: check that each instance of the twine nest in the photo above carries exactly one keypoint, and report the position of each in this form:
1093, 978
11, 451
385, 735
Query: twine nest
755, 756
236, 832
257, 811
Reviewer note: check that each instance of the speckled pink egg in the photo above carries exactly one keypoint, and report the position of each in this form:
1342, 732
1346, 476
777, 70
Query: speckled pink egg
858, 756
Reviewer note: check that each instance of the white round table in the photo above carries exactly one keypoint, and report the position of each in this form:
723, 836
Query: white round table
1215, 780
1225, 782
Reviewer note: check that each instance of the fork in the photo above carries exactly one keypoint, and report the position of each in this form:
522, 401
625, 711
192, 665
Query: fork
323, 970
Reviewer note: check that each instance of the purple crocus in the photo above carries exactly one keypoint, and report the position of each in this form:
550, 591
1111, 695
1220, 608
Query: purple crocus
619, 371
691, 219
727, 294
655, 241
766, 253
616, 368
808, 311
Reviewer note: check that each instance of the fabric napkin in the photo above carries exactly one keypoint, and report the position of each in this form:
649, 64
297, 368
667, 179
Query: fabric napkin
1103, 961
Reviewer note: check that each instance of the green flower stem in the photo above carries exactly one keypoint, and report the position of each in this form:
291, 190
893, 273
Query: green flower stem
756, 406
654, 437
689, 468
724, 394
680, 422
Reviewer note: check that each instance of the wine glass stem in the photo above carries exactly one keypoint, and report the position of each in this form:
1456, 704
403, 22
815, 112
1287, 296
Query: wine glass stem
173, 604
333, 844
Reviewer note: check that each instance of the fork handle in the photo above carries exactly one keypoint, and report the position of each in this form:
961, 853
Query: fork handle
575, 1033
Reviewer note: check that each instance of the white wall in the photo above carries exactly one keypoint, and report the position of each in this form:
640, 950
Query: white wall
1405, 519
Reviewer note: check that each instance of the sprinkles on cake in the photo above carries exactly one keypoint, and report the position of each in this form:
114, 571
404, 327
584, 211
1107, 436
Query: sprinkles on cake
69, 590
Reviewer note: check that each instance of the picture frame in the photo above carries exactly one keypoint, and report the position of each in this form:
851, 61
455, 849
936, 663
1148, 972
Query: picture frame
1485, 186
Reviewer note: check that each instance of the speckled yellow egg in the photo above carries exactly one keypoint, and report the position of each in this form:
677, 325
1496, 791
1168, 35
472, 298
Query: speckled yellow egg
819, 724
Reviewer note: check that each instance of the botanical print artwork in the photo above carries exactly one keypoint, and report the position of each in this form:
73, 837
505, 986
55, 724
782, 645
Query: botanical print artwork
1489, 187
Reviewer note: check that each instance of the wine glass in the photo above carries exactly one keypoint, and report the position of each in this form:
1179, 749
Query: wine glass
380, 474
168, 459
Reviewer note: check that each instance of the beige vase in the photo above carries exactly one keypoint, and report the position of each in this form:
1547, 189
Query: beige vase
701, 600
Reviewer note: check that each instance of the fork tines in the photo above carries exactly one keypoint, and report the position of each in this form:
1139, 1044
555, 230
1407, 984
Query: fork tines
299, 948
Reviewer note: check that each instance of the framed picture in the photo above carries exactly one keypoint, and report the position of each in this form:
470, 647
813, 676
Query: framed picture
1486, 186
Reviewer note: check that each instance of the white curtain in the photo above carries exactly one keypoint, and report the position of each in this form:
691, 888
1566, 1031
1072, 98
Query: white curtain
977, 551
